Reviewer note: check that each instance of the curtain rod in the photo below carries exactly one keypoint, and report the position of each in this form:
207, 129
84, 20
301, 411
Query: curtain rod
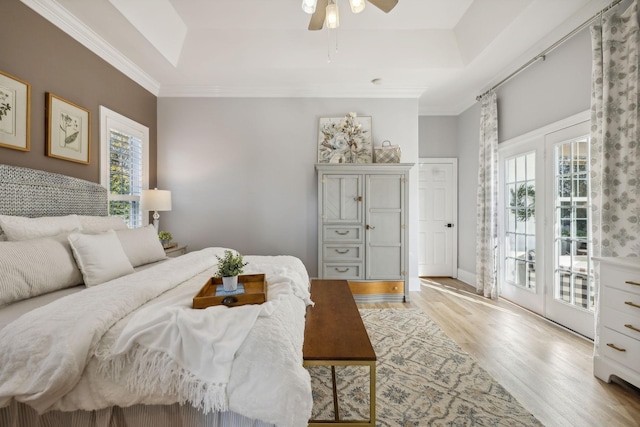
542, 54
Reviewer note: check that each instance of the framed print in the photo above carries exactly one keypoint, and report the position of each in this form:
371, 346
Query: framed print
68, 130
345, 139
15, 112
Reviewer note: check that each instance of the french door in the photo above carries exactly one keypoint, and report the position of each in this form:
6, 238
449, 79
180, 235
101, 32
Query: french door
544, 229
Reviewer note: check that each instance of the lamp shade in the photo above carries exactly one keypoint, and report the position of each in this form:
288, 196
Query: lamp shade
332, 18
155, 200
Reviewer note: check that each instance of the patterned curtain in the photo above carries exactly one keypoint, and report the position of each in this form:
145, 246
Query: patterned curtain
487, 220
615, 135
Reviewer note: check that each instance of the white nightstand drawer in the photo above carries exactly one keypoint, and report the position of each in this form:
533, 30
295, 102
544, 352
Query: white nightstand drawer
176, 251
621, 348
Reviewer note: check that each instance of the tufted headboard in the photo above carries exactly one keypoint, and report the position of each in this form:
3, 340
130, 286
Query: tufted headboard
34, 193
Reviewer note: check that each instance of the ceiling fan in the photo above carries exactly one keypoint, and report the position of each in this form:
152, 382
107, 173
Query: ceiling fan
322, 11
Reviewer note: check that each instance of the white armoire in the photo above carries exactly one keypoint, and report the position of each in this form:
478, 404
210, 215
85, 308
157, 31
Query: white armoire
363, 228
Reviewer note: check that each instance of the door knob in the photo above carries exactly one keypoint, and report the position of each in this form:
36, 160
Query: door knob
370, 227
448, 225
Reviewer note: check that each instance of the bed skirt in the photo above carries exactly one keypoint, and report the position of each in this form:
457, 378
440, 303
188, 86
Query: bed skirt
21, 415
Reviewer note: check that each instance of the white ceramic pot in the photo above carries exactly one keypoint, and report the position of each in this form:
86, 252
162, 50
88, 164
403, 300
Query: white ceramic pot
230, 283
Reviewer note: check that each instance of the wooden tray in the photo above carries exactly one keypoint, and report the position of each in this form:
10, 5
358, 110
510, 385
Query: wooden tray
255, 292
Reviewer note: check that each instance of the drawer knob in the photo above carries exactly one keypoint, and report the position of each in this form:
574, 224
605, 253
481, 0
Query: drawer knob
631, 282
344, 270
632, 304
342, 233
615, 347
633, 328
345, 251
395, 288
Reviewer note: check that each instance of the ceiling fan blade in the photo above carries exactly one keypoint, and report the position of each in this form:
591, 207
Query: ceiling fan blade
317, 19
384, 5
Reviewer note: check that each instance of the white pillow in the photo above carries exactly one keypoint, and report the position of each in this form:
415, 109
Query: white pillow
23, 228
141, 245
34, 267
100, 257
100, 224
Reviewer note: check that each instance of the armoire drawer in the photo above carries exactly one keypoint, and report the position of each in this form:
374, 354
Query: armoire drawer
343, 233
621, 348
381, 287
343, 271
342, 252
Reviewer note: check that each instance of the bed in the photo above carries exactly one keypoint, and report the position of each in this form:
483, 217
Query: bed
94, 345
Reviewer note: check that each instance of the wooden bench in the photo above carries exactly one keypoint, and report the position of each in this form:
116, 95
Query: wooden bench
335, 335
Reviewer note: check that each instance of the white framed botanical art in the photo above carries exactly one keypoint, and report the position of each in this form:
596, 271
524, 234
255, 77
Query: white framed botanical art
68, 130
15, 112
345, 139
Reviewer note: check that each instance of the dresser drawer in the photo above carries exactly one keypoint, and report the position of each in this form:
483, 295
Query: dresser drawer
621, 322
344, 233
342, 252
626, 302
342, 270
619, 278
621, 348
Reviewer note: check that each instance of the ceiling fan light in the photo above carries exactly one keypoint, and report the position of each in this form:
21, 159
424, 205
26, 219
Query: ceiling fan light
357, 6
333, 18
309, 6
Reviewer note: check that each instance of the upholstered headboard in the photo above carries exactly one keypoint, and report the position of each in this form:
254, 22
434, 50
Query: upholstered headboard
34, 193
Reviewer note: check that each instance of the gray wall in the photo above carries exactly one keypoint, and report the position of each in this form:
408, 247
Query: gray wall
438, 136
544, 93
38, 52
241, 170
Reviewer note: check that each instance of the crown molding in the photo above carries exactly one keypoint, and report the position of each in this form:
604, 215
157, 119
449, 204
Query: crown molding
53, 12
211, 91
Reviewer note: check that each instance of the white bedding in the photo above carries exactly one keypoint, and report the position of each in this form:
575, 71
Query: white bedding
61, 356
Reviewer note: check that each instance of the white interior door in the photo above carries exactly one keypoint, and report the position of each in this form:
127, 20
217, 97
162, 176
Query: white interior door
438, 195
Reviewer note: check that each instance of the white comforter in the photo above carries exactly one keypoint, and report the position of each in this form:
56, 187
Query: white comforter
98, 348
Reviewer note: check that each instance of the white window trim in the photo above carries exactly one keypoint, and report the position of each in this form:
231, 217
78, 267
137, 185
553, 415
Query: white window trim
108, 119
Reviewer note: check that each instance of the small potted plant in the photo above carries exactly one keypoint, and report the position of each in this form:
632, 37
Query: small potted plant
165, 238
229, 267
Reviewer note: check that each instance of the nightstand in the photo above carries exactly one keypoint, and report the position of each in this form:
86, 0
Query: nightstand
176, 251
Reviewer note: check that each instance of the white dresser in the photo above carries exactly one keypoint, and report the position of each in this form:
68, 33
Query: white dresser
363, 218
617, 350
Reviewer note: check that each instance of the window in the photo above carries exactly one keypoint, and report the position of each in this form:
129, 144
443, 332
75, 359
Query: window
124, 165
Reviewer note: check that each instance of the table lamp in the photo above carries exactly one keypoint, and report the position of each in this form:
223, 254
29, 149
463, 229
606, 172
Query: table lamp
155, 200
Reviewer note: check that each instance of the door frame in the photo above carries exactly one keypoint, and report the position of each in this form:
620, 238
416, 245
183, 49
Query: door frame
453, 161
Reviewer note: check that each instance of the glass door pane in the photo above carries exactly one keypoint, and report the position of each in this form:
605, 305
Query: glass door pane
573, 274
520, 221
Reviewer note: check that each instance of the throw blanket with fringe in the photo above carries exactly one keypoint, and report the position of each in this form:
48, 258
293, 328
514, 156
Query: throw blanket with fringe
56, 357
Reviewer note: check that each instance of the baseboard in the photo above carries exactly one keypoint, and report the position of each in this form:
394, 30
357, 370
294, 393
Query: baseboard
467, 277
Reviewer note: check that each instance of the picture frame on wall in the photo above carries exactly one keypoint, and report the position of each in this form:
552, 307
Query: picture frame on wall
345, 139
15, 112
68, 130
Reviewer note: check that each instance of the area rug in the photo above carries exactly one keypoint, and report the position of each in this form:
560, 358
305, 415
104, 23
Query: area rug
423, 379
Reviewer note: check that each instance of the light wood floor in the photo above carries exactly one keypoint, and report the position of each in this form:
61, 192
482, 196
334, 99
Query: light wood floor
547, 368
